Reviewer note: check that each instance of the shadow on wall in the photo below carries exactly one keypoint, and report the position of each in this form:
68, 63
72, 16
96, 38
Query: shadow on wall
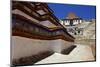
68, 50
30, 60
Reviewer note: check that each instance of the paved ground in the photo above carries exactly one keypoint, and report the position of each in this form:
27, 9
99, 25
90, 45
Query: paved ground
80, 53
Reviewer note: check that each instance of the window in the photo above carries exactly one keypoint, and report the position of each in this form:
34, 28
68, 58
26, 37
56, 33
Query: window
35, 14
54, 33
46, 10
27, 9
36, 29
37, 3
75, 22
57, 32
61, 22
26, 27
41, 12
31, 28
75, 33
80, 21
18, 24
78, 31
67, 22
32, 5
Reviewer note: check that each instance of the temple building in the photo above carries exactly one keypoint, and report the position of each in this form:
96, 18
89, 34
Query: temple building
71, 20
71, 24
36, 32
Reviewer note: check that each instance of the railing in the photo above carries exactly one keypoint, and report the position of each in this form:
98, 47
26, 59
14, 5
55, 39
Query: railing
37, 30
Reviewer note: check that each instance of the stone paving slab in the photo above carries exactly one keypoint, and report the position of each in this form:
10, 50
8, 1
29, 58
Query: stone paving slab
80, 53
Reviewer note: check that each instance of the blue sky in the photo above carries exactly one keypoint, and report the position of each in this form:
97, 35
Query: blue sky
62, 10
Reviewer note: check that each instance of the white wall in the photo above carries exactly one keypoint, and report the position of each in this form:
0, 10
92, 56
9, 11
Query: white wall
26, 47
22, 47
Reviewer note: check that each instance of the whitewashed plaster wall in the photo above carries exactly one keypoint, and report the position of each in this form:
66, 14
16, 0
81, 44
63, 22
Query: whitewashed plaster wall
22, 47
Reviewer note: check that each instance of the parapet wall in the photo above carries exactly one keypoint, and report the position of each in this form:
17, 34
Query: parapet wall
22, 47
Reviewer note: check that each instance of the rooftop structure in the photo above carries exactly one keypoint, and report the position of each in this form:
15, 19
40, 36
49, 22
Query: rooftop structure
37, 17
